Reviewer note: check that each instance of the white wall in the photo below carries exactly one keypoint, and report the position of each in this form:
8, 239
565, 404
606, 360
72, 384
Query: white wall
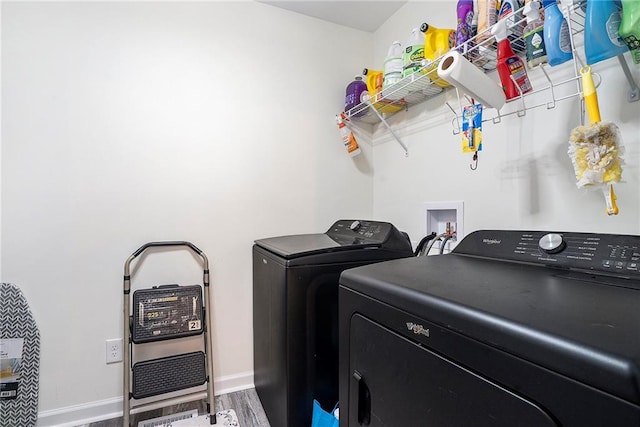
524, 178
126, 123
213, 122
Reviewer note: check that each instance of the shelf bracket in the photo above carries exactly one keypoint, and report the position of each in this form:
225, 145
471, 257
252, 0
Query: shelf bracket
634, 92
551, 104
455, 122
384, 122
497, 119
523, 111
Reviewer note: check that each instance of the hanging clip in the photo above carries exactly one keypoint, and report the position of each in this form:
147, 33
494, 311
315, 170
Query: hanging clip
474, 163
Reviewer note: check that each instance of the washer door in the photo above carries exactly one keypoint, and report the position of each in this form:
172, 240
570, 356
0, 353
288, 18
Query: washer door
396, 382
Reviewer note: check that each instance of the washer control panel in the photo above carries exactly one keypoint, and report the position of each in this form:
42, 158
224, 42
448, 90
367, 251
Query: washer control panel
552, 243
586, 251
366, 231
350, 232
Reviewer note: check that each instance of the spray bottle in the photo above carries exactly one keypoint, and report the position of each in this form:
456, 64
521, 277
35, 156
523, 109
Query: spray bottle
601, 24
510, 66
533, 35
557, 39
630, 27
348, 138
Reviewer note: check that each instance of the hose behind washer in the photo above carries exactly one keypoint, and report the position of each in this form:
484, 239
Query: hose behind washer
423, 242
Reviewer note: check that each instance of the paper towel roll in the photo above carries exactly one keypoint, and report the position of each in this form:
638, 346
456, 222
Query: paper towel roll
461, 73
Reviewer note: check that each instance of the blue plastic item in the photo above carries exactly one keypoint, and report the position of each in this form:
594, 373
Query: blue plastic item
321, 418
557, 39
601, 24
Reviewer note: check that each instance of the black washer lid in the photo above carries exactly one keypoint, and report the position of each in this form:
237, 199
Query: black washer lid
343, 235
308, 244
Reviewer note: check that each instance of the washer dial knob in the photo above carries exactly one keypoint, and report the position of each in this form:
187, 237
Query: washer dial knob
552, 243
355, 225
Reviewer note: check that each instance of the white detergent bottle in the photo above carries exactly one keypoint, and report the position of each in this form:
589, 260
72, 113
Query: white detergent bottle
393, 65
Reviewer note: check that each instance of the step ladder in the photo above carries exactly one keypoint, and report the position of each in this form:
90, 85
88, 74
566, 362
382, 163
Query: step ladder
166, 312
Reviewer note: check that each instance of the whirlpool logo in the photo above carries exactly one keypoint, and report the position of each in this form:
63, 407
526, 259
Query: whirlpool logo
418, 329
491, 241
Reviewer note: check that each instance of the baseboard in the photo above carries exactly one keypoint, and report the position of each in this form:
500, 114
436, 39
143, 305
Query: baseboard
80, 415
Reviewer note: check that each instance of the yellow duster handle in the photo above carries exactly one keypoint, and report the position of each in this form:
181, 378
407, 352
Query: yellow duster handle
610, 198
590, 95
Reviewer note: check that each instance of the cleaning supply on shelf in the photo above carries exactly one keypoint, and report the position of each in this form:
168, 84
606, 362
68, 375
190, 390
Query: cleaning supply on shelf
596, 149
557, 39
471, 47
392, 66
474, 21
468, 78
601, 24
508, 7
464, 28
392, 71
483, 53
413, 53
373, 79
630, 27
511, 69
487, 17
437, 42
348, 139
353, 97
536, 53
509, 10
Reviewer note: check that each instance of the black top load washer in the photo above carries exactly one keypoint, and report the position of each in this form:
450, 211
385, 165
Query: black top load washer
295, 312
513, 328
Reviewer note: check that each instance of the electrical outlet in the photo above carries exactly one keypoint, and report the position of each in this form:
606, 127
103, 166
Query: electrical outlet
114, 350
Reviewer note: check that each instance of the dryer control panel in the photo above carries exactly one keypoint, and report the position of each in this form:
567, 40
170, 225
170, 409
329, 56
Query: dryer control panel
608, 253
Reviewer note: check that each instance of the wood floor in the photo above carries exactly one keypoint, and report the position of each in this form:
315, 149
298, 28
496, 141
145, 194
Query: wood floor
246, 404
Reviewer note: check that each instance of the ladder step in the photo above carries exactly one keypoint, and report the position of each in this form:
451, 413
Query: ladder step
167, 374
167, 312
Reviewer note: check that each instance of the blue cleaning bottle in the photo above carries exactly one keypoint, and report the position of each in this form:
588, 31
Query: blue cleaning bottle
601, 24
557, 39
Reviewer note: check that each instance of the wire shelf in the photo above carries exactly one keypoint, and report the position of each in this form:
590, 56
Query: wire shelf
481, 50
